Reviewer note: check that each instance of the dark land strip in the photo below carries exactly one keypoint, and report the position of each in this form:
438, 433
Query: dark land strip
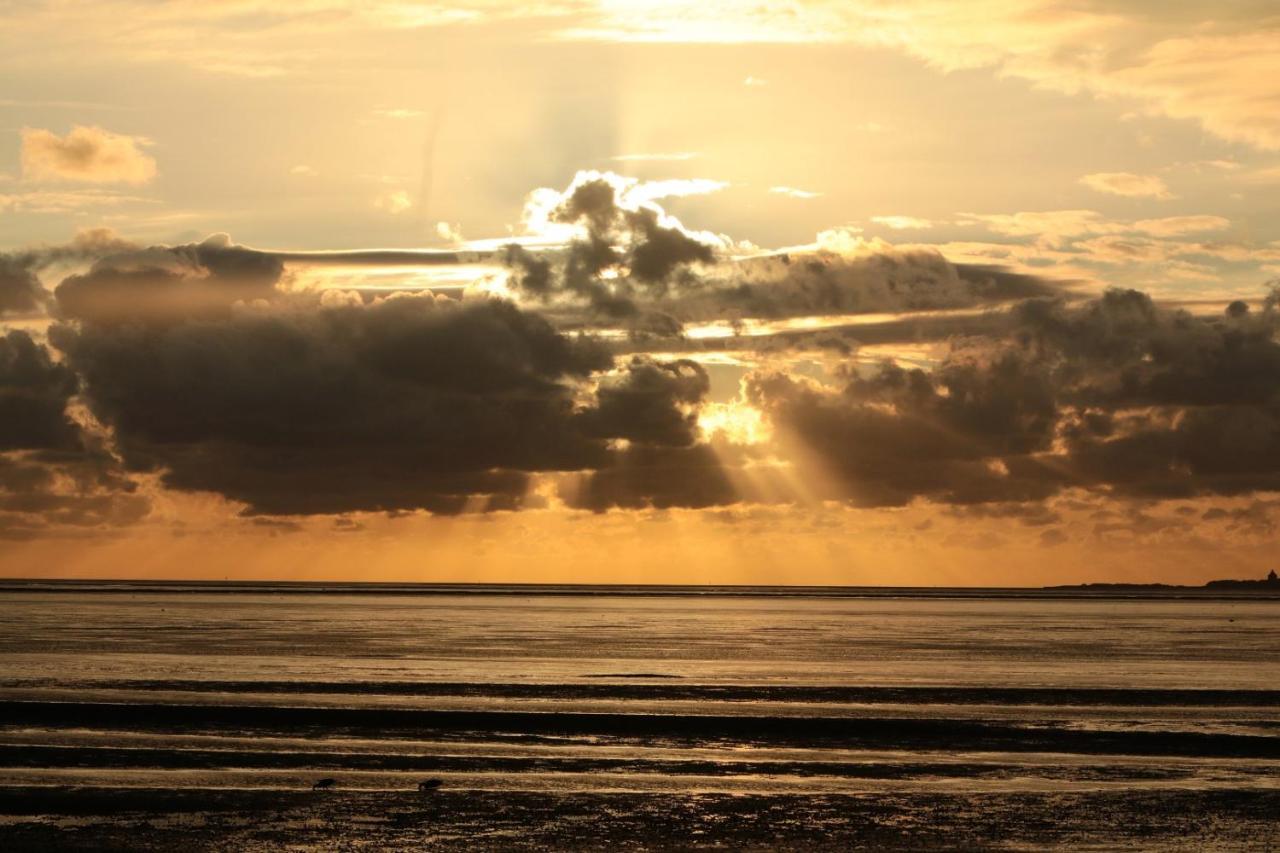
1065, 696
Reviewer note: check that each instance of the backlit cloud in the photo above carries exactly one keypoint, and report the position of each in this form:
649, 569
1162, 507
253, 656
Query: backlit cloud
792, 192
902, 223
394, 202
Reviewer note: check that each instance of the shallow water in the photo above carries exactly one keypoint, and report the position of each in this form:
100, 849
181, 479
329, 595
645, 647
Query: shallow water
763, 641
556, 696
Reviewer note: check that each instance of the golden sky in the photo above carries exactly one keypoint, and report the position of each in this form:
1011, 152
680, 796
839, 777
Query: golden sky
807, 292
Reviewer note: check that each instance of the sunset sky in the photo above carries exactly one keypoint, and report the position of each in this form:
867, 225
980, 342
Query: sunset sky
809, 292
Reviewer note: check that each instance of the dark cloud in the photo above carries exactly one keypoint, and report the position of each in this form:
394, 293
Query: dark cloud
384, 257
51, 494
164, 284
209, 374
1167, 404
642, 254
53, 476
825, 283
1117, 395
652, 407
408, 402
1258, 517
533, 273
658, 251
34, 392
652, 403
404, 403
60, 495
21, 291
964, 435
661, 477
1030, 514
1122, 349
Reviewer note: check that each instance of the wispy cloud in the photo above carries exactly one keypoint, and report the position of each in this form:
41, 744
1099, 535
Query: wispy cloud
674, 188
792, 192
1221, 75
902, 223
393, 201
1128, 184
397, 113
66, 201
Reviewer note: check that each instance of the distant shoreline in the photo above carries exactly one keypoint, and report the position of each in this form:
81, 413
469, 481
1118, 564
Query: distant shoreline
1220, 590
1209, 586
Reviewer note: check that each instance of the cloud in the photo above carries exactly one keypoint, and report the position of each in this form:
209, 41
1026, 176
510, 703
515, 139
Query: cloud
1226, 81
1220, 72
902, 223
88, 154
845, 277
449, 232
630, 262
295, 403
965, 435
1208, 63
619, 242
397, 113
1128, 184
53, 474
660, 477
210, 376
652, 403
1115, 395
1174, 226
394, 202
1056, 227
20, 290
35, 393
199, 280
61, 495
407, 402
1051, 227
792, 192
647, 192
205, 368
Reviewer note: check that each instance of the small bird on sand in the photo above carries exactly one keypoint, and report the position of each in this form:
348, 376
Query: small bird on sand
323, 783
430, 784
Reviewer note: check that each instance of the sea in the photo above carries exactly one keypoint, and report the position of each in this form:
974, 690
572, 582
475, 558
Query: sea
146, 715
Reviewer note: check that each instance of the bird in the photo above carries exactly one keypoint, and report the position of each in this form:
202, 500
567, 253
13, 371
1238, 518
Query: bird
323, 783
430, 784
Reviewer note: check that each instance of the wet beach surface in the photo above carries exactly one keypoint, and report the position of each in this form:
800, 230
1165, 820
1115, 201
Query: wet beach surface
179, 719
75, 819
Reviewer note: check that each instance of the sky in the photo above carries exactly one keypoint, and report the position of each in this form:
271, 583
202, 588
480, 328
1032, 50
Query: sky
848, 292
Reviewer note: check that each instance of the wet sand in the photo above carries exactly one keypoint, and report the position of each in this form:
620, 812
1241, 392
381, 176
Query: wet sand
185, 721
83, 819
